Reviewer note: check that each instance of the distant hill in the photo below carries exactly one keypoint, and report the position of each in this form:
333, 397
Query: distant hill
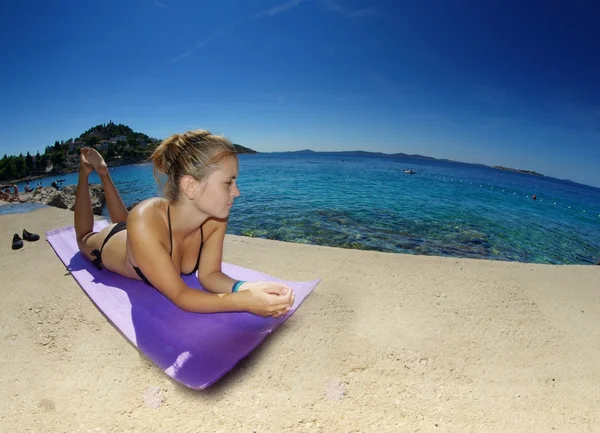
112, 130
359, 153
416, 156
118, 144
242, 149
299, 152
499, 167
368, 153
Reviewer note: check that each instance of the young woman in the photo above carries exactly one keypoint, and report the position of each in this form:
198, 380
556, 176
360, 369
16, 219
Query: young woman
162, 238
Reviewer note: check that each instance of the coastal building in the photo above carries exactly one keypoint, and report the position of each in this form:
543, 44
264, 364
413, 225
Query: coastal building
118, 138
74, 145
73, 160
103, 145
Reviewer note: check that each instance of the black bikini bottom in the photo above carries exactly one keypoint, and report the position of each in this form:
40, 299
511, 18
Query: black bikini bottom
98, 253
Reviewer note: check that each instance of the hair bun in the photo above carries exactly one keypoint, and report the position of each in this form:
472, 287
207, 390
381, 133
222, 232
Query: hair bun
173, 148
167, 153
194, 153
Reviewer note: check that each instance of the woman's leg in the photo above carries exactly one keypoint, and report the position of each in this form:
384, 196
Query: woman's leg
87, 239
84, 215
116, 208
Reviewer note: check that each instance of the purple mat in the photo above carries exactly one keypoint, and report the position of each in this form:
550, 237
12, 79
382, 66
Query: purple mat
194, 349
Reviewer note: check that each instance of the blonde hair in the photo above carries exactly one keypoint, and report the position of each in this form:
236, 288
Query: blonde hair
195, 153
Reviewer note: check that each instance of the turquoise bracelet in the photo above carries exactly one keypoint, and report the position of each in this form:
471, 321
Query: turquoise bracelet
236, 286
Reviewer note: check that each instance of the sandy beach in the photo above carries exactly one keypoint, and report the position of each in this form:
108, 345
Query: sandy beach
386, 342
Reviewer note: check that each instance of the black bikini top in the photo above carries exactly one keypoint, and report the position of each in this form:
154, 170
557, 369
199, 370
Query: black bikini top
171, 237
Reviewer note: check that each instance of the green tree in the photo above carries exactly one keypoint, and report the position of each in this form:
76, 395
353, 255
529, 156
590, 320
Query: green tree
21, 166
3, 163
110, 153
58, 160
131, 153
41, 163
10, 169
92, 140
29, 163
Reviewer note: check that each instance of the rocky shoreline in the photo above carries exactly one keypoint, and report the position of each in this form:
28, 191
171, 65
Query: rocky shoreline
64, 198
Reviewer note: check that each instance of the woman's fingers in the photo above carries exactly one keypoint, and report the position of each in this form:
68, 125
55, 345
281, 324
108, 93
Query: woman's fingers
280, 312
280, 309
281, 299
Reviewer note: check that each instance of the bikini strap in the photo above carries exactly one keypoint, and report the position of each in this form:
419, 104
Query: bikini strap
201, 238
200, 251
170, 232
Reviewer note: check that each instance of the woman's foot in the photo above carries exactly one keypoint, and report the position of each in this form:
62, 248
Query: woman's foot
84, 166
91, 160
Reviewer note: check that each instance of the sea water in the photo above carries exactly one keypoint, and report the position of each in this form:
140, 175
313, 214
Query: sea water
367, 202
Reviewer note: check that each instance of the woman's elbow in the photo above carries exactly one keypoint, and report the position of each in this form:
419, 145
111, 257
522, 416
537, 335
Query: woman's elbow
184, 303
181, 299
207, 282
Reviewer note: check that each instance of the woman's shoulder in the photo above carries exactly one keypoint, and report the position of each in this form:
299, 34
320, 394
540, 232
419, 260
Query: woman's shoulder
213, 225
149, 211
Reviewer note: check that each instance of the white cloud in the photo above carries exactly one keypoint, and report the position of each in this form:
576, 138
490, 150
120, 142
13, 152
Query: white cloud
366, 12
161, 5
337, 7
276, 10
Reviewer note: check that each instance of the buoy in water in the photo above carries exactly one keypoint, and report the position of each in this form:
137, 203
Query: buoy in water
533, 197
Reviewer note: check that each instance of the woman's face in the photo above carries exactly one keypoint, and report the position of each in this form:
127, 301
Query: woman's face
220, 189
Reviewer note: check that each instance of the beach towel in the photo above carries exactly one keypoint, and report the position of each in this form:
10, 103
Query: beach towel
194, 349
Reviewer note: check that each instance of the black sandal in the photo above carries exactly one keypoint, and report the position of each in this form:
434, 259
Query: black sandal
17, 242
31, 237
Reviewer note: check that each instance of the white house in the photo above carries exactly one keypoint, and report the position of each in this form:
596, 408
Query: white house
118, 138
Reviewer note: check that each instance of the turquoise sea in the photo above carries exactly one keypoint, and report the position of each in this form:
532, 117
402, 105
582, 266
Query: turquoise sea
367, 202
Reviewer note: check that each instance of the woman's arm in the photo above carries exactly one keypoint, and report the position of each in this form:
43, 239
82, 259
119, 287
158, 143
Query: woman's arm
152, 257
210, 274
279, 299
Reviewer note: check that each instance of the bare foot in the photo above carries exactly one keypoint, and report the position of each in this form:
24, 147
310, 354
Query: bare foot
84, 165
93, 159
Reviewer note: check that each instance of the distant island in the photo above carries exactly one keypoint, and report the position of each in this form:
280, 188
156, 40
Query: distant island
368, 153
118, 145
407, 156
499, 167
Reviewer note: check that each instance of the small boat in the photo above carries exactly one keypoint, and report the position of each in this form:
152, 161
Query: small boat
408, 171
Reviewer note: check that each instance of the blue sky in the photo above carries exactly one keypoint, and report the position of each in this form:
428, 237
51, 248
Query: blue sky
499, 83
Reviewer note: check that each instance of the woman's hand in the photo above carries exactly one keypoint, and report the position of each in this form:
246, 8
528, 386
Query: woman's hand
267, 299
